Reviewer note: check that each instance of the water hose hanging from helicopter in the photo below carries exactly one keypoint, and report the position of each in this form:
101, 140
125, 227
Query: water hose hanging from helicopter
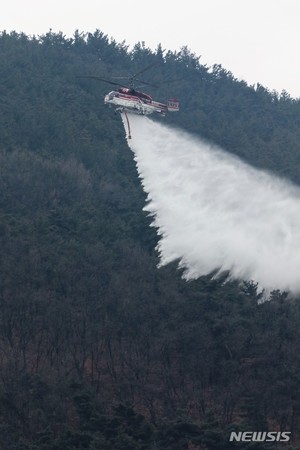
128, 124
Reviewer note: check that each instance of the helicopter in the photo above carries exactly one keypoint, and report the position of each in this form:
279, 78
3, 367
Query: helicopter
133, 101
126, 99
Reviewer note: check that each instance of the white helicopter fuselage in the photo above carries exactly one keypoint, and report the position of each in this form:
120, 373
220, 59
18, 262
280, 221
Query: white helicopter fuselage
138, 104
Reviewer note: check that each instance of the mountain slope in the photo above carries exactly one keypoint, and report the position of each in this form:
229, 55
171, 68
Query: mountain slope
99, 348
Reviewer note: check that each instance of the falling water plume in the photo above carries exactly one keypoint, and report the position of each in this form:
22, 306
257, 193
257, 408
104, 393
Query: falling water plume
214, 212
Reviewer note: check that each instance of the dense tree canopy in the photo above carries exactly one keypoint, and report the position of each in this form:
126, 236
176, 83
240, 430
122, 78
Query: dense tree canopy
99, 349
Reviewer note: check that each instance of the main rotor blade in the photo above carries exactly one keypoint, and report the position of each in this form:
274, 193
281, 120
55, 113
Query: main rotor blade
102, 79
171, 81
144, 70
146, 82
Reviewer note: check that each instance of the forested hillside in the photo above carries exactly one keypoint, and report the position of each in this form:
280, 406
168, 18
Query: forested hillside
99, 349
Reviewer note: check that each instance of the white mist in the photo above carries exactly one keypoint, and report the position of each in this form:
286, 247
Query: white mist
213, 211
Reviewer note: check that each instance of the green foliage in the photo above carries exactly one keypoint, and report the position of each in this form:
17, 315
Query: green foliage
98, 348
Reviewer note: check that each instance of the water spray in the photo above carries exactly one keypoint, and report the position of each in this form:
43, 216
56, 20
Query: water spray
213, 212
